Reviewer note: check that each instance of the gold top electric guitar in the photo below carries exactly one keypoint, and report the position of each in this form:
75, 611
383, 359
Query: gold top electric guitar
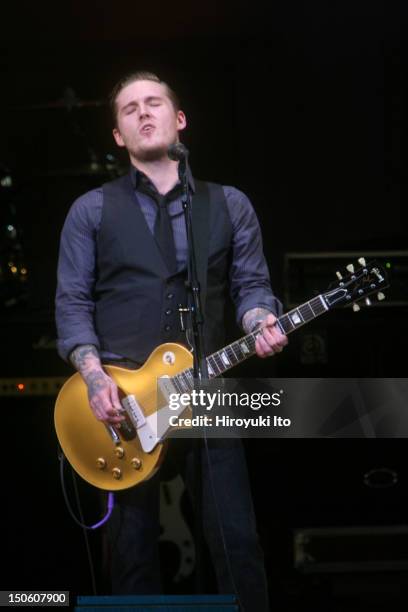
118, 458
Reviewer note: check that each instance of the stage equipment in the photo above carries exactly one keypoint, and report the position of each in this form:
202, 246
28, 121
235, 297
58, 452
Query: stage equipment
156, 603
351, 549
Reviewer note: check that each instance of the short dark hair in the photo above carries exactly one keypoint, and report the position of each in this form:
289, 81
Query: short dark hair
140, 75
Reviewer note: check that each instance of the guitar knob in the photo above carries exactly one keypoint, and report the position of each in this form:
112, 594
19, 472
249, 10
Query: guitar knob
117, 473
136, 463
368, 301
339, 276
356, 307
362, 261
380, 296
350, 268
119, 452
101, 463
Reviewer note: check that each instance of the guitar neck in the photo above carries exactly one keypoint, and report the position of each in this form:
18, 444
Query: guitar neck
240, 350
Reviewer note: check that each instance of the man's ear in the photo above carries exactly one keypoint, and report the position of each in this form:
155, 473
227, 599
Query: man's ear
118, 137
181, 121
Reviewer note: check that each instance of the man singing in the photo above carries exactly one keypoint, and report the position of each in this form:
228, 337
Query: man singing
121, 277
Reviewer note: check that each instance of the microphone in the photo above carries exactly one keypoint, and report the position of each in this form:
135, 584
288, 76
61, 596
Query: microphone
177, 152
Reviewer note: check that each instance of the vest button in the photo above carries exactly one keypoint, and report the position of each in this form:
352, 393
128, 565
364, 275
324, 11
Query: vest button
167, 327
170, 296
168, 311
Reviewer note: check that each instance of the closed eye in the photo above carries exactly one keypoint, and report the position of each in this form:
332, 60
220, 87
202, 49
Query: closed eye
131, 106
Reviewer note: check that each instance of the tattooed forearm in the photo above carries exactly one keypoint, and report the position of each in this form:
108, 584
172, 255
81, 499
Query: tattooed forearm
253, 318
102, 390
96, 381
86, 360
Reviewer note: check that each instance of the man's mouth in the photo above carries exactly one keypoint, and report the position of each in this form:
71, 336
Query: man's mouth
147, 128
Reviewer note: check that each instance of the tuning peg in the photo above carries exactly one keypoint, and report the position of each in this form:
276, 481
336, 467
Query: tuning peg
339, 276
362, 261
350, 268
380, 296
356, 307
368, 301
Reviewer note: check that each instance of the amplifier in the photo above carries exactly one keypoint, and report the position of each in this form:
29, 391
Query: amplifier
29, 349
351, 549
23, 387
307, 274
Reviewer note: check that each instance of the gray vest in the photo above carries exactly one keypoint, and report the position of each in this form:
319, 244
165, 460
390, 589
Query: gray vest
136, 298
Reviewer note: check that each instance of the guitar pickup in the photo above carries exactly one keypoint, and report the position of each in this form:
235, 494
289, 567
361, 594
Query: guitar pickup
126, 430
133, 411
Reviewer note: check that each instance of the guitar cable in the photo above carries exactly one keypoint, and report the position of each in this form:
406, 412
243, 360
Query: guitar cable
81, 521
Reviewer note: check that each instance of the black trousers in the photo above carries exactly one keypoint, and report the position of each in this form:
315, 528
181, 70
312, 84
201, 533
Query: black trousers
134, 526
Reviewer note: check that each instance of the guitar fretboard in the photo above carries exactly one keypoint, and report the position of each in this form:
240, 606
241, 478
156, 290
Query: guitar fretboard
242, 349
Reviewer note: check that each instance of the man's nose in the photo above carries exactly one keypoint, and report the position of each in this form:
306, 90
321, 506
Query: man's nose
144, 112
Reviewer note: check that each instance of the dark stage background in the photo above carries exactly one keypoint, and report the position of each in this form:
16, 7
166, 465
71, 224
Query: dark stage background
304, 107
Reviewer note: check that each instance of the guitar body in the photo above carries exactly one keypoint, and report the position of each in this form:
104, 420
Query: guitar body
87, 443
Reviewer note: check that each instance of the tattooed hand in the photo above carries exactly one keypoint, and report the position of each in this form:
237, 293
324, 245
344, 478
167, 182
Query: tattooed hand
270, 340
102, 390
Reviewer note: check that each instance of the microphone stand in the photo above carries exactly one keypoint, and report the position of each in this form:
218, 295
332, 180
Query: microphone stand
200, 368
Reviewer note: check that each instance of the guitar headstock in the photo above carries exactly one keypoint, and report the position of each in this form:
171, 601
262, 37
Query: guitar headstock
359, 283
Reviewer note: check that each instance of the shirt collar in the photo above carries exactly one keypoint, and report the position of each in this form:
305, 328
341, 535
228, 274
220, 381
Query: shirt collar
137, 175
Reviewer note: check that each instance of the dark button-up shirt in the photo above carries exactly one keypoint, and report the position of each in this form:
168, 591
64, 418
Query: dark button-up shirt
249, 276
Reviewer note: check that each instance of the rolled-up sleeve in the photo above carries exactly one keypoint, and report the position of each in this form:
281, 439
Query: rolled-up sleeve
249, 275
74, 304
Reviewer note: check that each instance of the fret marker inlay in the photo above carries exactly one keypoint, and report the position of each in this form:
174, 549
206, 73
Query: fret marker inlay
225, 358
296, 320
